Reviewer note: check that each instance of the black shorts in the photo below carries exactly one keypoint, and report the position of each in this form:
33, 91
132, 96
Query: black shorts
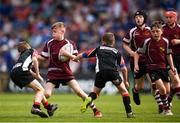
104, 76
57, 82
176, 60
21, 78
142, 70
159, 74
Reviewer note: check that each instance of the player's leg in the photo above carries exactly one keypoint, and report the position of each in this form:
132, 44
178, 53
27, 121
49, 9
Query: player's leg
156, 94
138, 82
51, 108
163, 88
126, 99
39, 93
93, 95
49, 87
175, 86
137, 87
76, 88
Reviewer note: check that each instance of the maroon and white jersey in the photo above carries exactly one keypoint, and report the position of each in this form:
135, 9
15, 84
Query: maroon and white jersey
172, 33
136, 37
56, 68
155, 52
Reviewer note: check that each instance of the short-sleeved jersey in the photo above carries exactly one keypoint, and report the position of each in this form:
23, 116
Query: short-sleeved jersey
136, 37
56, 68
172, 33
24, 61
155, 52
107, 58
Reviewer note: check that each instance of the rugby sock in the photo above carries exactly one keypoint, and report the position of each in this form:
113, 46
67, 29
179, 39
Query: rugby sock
177, 92
127, 102
36, 105
171, 95
165, 102
158, 99
93, 95
157, 95
47, 105
93, 107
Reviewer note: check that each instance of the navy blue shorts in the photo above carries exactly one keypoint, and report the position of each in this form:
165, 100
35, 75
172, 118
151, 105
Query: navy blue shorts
107, 75
176, 60
58, 82
159, 74
21, 78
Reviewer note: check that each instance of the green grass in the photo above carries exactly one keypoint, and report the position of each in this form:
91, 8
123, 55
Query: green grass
15, 107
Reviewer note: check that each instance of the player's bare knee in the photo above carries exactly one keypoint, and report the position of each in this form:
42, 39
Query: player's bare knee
162, 90
47, 95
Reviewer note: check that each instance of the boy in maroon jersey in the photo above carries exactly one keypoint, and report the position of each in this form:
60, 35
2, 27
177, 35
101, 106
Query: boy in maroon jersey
131, 42
59, 72
172, 33
157, 53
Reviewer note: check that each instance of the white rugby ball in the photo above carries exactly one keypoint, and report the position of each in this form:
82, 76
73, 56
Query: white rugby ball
69, 49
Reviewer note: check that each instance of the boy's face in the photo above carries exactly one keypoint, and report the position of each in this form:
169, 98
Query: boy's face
170, 20
139, 19
156, 33
57, 32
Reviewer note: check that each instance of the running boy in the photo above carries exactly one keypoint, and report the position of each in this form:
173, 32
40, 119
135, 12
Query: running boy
22, 75
157, 52
60, 72
108, 59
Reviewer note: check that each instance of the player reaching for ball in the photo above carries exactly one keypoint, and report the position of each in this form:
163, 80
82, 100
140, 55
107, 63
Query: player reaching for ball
108, 61
59, 71
22, 75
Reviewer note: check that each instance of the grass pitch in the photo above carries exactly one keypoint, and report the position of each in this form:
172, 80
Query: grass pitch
15, 107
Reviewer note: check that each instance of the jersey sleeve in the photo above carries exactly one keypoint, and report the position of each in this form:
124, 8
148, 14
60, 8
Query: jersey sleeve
90, 53
45, 52
168, 48
127, 38
142, 49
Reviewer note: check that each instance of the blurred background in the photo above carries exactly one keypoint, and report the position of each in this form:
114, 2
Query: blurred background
86, 21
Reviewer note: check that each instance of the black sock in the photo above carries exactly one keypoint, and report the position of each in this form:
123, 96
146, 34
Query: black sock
36, 106
48, 107
93, 95
127, 105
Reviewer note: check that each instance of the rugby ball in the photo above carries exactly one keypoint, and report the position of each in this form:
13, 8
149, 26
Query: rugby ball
67, 47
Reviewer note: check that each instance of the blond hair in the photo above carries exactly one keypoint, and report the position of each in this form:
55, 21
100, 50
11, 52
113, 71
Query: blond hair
22, 46
58, 24
108, 38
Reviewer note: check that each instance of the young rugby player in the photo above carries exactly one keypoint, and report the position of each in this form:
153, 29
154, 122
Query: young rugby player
108, 60
157, 53
59, 72
172, 33
131, 42
22, 75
